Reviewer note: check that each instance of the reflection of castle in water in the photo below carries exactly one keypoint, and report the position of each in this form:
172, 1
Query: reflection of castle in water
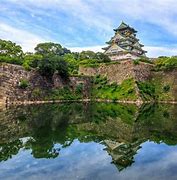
122, 153
122, 128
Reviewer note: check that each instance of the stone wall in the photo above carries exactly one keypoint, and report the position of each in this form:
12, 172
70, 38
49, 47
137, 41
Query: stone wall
118, 72
11, 75
85, 81
166, 78
142, 71
74, 81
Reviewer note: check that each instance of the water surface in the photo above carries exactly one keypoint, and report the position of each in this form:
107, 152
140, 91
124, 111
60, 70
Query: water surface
88, 141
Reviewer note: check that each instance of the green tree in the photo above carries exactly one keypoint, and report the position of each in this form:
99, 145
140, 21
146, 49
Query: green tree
73, 63
50, 64
101, 57
166, 63
31, 60
51, 49
10, 52
61, 66
98, 57
87, 55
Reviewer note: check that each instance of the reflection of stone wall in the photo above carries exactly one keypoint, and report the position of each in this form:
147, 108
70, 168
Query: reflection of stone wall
11, 75
118, 72
11, 128
167, 78
110, 128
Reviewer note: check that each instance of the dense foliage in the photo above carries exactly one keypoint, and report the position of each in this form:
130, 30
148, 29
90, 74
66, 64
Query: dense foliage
147, 90
91, 59
31, 60
50, 57
50, 49
66, 93
166, 63
49, 65
10, 52
102, 89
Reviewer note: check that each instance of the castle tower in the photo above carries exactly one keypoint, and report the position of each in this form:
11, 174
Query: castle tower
124, 44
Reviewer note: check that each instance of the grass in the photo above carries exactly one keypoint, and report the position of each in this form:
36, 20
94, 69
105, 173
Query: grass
102, 89
156, 89
147, 90
65, 94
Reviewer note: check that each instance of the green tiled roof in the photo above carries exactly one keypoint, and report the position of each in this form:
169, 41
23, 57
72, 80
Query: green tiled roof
124, 26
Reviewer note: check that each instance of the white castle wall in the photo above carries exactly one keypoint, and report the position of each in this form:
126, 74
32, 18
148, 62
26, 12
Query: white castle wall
123, 56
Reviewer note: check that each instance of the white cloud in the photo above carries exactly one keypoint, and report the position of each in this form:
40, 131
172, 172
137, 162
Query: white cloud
76, 9
29, 40
154, 51
24, 38
91, 48
100, 13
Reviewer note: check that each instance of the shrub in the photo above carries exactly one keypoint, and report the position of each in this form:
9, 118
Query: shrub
23, 84
114, 99
100, 80
31, 60
36, 92
130, 91
146, 60
136, 62
73, 63
102, 90
10, 60
166, 88
79, 88
166, 63
64, 93
147, 88
26, 66
48, 65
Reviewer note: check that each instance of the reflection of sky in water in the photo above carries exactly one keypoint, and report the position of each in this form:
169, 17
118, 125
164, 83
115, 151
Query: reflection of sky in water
90, 161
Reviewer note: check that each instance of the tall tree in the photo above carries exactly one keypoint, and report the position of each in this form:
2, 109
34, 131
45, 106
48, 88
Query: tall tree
87, 55
10, 52
50, 64
50, 49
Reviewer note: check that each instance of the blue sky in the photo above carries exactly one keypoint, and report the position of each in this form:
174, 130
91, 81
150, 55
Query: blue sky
88, 24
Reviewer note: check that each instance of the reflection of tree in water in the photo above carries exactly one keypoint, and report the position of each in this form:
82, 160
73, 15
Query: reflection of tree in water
10, 149
126, 126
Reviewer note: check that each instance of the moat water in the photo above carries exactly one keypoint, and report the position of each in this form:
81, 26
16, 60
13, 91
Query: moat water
88, 141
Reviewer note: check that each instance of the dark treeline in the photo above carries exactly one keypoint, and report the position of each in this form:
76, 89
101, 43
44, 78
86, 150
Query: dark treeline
49, 57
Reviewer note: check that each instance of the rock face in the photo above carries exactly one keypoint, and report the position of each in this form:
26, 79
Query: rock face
11, 76
118, 72
40, 86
